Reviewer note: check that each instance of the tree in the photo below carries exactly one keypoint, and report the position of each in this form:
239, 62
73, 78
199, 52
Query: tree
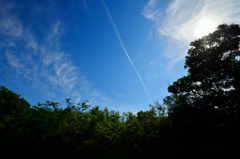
208, 98
213, 74
12, 108
14, 112
161, 109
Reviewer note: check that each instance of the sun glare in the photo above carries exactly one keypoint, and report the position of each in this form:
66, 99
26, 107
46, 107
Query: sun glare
204, 26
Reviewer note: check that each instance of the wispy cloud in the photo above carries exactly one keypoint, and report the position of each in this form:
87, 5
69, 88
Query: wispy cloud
121, 43
44, 65
13, 60
151, 11
182, 17
55, 31
8, 24
85, 4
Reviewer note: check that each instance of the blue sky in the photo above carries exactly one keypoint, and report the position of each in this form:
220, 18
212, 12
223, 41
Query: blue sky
115, 54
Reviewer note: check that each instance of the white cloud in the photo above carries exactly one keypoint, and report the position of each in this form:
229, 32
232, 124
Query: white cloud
48, 69
181, 19
150, 11
10, 27
55, 31
124, 49
85, 4
49, 57
55, 34
31, 43
8, 23
13, 60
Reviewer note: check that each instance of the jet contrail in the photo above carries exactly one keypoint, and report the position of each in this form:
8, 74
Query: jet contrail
120, 40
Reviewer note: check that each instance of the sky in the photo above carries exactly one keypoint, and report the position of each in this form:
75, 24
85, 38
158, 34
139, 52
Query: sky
119, 54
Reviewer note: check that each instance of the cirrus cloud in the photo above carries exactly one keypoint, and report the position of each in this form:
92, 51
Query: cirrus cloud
181, 18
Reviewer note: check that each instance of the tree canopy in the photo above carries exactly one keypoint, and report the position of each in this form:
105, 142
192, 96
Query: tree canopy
206, 101
203, 114
213, 71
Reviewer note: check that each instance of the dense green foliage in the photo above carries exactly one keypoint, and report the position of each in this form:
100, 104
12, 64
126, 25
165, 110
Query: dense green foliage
205, 103
202, 115
46, 131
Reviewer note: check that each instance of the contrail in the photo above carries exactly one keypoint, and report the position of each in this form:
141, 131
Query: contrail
120, 40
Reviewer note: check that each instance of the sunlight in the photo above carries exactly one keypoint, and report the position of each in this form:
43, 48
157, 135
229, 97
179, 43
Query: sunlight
204, 26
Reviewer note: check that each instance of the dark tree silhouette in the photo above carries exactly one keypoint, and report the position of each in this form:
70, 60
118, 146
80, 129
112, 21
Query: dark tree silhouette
206, 101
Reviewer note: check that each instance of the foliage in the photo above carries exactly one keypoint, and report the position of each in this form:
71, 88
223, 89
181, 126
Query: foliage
206, 101
196, 118
13, 108
213, 63
53, 132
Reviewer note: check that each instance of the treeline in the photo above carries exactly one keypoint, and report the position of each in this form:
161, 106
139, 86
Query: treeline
203, 115
46, 131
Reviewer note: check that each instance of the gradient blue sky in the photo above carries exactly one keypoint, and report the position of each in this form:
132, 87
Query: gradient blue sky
119, 54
